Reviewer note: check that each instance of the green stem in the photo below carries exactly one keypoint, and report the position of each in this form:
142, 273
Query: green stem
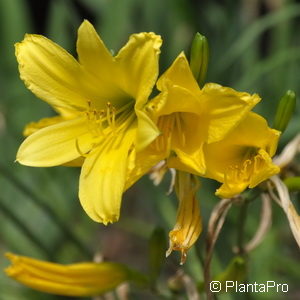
241, 226
47, 209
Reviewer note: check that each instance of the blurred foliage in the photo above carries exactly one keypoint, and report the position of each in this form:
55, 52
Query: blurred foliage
254, 46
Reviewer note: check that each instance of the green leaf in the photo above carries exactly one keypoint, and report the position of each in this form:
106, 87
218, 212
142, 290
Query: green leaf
157, 252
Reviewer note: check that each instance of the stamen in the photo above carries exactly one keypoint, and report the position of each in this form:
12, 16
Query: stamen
79, 150
181, 135
113, 117
108, 112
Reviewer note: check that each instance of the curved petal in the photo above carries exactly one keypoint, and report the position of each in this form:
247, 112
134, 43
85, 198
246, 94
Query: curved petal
102, 178
78, 280
57, 144
174, 99
50, 72
138, 65
264, 168
226, 108
100, 64
191, 162
141, 163
179, 74
32, 127
251, 133
147, 131
92, 53
254, 130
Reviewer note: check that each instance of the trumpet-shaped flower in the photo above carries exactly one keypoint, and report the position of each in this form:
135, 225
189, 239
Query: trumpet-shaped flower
79, 280
188, 222
243, 158
100, 99
189, 117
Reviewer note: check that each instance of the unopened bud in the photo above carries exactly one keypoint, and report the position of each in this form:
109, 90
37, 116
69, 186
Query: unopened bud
285, 110
199, 57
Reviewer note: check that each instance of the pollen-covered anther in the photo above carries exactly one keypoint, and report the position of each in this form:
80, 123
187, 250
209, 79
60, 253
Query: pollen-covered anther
100, 120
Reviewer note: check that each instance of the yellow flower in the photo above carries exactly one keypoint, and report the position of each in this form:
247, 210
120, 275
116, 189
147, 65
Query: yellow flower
243, 158
190, 117
100, 99
79, 280
188, 222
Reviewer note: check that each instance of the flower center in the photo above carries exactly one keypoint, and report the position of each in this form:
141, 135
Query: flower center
172, 130
110, 120
241, 172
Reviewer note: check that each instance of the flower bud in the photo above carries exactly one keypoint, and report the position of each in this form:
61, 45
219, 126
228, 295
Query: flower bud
285, 110
199, 57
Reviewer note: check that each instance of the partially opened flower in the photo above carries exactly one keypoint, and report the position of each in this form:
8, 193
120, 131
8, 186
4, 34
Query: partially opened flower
78, 280
100, 100
243, 158
189, 117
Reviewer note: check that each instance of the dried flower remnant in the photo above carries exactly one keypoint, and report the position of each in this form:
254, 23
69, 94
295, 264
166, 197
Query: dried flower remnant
188, 222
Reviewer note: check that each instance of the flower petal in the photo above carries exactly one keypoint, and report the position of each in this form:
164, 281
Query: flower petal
92, 53
243, 158
147, 131
80, 279
188, 221
179, 74
100, 64
138, 65
141, 163
32, 127
103, 176
264, 168
50, 72
226, 108
57, 144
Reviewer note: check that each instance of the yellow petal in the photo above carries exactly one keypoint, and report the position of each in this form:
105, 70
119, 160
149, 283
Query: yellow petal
102, 178
174, 99
243, 157
179, 90
189, 161
92, 53
32, 127
188, 221
51, 73
97, 60
179, 74
77, 162
141, 163
147, 131
57, 144
264, 168
79, 280
226, 108
138, 65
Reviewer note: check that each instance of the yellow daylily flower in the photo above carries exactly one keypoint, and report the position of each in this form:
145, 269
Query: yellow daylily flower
100, 99
190, 117
243, 158
188, 222
78, 280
